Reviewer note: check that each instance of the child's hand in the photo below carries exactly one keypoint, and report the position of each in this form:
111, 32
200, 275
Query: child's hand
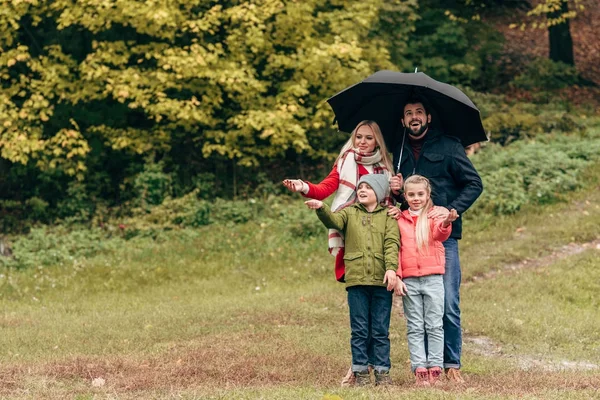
390, 279
394, 212
452, 216
400, 289
295, 185
314, 204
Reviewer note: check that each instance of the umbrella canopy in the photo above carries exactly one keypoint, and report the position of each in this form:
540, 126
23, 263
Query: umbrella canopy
381, 97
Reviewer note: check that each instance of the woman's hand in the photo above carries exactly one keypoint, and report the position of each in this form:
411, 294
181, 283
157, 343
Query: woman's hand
314, 204
295, 185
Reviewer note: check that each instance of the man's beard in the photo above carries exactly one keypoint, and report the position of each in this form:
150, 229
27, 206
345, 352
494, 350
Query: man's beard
419, 132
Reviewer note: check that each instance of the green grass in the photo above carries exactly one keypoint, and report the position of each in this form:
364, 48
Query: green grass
252, 312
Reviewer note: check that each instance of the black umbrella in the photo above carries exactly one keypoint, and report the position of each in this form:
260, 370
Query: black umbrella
381, 97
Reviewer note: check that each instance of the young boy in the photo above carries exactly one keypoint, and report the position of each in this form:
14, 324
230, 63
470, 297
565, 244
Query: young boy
371, 258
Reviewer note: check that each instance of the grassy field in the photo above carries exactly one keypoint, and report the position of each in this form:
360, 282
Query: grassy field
252, 312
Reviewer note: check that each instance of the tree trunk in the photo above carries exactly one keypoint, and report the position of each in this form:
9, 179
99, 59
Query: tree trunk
561, 43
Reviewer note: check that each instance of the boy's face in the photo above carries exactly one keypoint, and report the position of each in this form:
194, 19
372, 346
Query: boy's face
366, 195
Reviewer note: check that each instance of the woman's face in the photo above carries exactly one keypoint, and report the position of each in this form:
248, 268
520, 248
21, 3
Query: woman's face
365, 140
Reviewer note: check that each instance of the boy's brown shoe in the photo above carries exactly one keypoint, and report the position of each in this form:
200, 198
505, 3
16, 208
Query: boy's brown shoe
453, 375
434, 375
383, 378
362, 378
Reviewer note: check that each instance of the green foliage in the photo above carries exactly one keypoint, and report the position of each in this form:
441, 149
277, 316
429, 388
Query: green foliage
77, 205
152, 185
546, 74
532, 172
19, 216
192, 83
451, 47
507, 121
510, 125
205, 183
59, 246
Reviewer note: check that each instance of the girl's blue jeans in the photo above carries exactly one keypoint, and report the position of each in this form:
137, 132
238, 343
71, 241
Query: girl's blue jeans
370, 310
424, 311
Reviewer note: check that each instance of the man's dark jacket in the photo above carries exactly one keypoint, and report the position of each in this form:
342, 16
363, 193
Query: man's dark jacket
454, 181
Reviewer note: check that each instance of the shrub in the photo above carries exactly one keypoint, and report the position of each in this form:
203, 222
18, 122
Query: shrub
544, 73
510, 125
152, 185
45, 246
77, 205
540, 171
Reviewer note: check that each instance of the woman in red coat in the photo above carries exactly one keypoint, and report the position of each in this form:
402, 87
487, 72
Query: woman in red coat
364, 153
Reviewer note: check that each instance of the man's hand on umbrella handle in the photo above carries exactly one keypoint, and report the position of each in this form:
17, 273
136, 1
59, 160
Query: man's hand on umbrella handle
314, 204
295, 185
396, 183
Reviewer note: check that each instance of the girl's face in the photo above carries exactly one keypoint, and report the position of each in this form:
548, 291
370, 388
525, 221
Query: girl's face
364, 140
416, 194
366, 195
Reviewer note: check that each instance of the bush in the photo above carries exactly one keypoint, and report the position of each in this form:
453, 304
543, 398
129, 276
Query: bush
45, 246
546, 74
537, 172
77, 205
19, 216
510, 125
152, 185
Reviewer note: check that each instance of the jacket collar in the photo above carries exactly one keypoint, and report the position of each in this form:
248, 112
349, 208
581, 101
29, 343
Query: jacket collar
362, 207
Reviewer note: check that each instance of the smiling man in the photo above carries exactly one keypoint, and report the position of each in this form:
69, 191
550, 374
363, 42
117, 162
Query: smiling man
455, 185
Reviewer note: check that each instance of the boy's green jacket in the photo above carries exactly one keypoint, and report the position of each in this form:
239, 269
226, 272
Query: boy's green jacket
371, 242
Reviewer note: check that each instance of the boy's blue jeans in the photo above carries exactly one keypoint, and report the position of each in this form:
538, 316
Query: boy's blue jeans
370, 310
424, 311
452, 329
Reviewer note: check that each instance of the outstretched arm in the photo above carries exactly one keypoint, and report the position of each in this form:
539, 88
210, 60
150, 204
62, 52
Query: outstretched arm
332, 220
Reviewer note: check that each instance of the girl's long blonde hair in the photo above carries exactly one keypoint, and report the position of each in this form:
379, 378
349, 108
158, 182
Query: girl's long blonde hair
422, 229
385, 156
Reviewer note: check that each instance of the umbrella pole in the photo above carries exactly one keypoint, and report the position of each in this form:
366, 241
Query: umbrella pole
401, 150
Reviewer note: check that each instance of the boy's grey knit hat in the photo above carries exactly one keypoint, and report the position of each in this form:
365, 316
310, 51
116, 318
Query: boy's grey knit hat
378, 182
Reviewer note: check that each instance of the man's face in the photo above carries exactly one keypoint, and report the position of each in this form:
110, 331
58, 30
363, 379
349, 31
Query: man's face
416, 120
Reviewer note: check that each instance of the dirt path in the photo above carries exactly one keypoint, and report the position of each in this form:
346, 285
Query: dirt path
484, 346
558, 254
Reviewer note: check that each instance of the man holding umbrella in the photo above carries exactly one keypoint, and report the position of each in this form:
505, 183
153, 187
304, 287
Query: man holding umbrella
456, 185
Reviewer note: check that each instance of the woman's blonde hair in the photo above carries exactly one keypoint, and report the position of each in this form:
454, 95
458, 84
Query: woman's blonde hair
422, 230
380, 142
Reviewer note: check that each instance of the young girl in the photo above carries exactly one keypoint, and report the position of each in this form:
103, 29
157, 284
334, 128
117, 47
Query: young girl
364, 153
371, 260
421, 270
